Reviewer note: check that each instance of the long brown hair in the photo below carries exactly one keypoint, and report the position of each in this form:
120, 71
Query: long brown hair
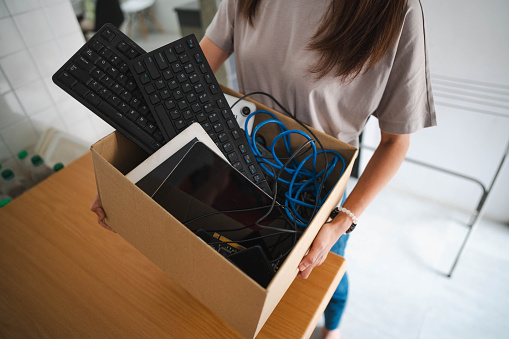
353, 34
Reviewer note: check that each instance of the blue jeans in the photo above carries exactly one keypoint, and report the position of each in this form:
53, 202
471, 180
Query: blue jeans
336, 306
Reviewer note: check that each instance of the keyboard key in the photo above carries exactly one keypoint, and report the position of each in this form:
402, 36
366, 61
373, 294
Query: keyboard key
228, 147
108, 81
196, 107
175, 114
203, 98
169, 104
191, 98
208, 108
176, 67
108, 35
223, 137
199, 88
242, 149
114, 100
79, 74
152, 68
173, 85
189, 68
149, 89
117, 89
190, 42
105, 94
181, 77
132, 115
103, 64
170, 55
218, 127
252, 169
238, 166
113, 72
98, 74
81, 89
194, 78
167, 74
160, 84
144, 78
161, 61
92, 56
201, 117
126, 95
93, 99
235, 134
187, 87
198, 58
233, 157
67, 79
184, 58
131, 54
180, 124
179, 48
97, 46
177, 95
213, 117
85, 64
188, 115
231, 124
141, 121
182, 104
154, 99
123, 108
138, 67
123, 47
165, 94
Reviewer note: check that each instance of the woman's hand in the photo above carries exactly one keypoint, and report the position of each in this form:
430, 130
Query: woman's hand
327, 236
97, 209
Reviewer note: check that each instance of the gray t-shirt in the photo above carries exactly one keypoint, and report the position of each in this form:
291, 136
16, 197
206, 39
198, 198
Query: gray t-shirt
272, 57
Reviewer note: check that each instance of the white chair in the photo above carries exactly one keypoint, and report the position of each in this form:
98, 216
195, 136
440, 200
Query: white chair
133, 8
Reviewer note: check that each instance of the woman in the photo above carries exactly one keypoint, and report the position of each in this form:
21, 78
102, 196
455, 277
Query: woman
333, 64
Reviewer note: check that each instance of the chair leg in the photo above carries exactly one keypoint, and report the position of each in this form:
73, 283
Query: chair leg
155, 21
143, 26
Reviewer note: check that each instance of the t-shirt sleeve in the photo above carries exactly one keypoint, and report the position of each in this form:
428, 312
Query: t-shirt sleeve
407, 102
220, 30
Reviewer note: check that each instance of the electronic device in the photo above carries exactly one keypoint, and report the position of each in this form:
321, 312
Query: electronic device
241, 110
98, 76
180, 88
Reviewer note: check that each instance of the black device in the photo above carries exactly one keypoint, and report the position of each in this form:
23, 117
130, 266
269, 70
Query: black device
98, 76
180, 88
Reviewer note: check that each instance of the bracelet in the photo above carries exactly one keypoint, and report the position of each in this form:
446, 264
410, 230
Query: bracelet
349, 213
336, 211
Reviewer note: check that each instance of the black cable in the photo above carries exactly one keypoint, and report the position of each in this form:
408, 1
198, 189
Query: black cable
246, 240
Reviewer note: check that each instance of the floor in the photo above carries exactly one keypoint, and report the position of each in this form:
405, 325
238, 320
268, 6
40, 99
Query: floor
398, 259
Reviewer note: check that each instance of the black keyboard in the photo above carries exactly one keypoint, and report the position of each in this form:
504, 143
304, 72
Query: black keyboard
98, 76
180, 88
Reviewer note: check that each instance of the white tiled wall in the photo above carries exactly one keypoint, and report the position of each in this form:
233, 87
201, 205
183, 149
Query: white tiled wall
36, 38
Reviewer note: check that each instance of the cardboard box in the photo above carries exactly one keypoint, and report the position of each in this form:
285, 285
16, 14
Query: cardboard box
208, 276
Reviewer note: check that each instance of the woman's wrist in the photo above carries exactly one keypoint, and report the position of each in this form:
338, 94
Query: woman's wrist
341, 223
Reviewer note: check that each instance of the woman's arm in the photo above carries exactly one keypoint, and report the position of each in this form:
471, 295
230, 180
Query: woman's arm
383, 165
214, 55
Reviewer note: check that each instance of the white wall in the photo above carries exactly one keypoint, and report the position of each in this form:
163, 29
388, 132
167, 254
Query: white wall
164, 10
36, 38
468, 41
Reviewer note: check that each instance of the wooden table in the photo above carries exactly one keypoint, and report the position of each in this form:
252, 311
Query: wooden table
64, 276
